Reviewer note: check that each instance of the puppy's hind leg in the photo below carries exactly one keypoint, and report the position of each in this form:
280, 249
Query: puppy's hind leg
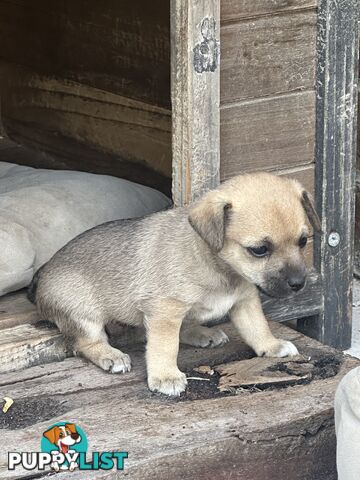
200, 336
95, 347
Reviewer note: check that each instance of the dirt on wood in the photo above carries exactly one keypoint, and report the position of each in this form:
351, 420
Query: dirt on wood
318, 365
25, 412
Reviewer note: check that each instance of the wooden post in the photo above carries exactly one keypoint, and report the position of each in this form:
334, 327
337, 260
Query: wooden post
195, 92
337, 78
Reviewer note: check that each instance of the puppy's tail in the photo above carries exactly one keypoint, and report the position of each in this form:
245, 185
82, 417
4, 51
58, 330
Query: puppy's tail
31, 292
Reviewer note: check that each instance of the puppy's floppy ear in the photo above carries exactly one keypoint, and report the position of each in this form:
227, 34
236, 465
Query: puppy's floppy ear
208, 217
52, 435
71, 427
309, 208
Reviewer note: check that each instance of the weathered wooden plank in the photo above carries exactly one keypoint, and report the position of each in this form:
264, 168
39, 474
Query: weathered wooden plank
233, 10
16, 309
261, 372
357, 217
337, 79
267, 56
57, 152
195, 95
269, 133
65, 118
26, 345
121, 47
179, 439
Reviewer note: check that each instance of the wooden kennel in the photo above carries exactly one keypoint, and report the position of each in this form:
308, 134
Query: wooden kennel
181, 95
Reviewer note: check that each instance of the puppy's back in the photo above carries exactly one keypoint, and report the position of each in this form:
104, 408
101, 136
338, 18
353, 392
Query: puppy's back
111, 266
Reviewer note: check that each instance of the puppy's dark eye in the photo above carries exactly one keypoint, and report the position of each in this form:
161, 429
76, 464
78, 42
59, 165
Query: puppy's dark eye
303, 242
61, 434
259, 251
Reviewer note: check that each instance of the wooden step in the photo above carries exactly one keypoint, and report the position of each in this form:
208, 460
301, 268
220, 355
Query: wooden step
27, 345
16, 309
283, 432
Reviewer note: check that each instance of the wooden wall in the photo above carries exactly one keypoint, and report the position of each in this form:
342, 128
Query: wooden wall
267, 87
357, 202
88, 83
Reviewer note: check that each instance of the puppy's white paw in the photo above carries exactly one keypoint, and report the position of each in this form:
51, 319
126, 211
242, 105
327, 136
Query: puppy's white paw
204, 337
281, 348
171, 384
116, 362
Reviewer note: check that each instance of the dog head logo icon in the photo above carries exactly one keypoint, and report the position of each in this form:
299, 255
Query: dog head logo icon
64, 441
63, 437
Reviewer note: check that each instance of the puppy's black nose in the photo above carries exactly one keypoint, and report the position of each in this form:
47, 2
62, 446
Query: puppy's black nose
296, 282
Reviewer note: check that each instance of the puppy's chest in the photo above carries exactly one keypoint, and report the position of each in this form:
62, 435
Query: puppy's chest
214, 306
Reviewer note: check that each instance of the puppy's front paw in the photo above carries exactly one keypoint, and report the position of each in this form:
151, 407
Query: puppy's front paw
280, 348
204, 337
169, 384
116, 362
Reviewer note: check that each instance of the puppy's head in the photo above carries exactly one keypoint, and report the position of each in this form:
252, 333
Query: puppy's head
259, 225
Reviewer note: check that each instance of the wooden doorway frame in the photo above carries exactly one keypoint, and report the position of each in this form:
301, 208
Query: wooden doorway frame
323, 310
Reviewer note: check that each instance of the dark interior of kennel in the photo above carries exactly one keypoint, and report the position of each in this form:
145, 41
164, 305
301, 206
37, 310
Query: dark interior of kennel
86, 86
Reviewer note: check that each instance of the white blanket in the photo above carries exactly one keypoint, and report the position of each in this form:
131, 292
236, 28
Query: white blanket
41, 210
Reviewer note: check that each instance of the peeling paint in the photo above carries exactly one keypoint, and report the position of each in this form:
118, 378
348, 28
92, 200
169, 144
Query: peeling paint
207, 52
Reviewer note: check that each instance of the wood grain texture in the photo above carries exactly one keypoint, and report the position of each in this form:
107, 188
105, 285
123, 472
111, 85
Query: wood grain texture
261, 372
85, 128
222, 438
357, 200
26, 345
195, 99
121, 47
357, 222
16, 309
233, 10
267, 134
337, 80
267, 56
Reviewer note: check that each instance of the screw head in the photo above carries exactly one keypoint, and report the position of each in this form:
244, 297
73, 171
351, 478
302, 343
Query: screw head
334, 239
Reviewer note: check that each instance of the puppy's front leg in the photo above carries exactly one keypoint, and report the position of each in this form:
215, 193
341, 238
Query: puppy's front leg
163, 329
250, 321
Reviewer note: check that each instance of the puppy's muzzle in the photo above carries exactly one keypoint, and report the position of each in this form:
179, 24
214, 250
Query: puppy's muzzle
288, 281
297, 281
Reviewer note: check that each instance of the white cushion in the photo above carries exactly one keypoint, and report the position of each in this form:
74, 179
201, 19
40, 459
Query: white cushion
41, 210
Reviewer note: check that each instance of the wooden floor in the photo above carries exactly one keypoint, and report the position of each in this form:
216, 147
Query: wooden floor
283, 433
